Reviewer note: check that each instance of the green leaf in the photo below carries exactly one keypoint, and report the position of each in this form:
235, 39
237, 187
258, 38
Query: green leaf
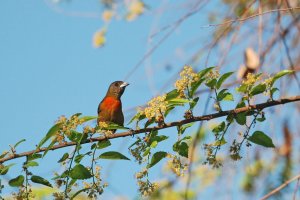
182, 148
147, 151
194, 103
53, 130
279, 75
87, 118
16, 182
49, 147
172, 95
113, 155
15, 146
139, 116
78, 158
260, 88
186, 126
149, 122
31, 164
196, 85
242, 89
80, 172
63, 158
113, 126
212, 83
260, 138
223, 95
75, 136
178, 101
241, 118
34, 156
156, 158
219, 128
103, 144
273, 90
223, 78
219, 142
40, 180
203, 72
5, 169
153, 144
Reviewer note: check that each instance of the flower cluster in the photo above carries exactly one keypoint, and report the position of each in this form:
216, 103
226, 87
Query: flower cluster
176, 166
188, 76
135, 9
136, 152
147, 188
95, 188
156, 107
102, 128
250, 79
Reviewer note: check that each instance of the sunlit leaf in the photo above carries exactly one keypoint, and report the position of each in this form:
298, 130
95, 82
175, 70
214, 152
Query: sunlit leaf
23, 140
5, 169
31, 164
172, 95
103, 144
279, 75
63, 158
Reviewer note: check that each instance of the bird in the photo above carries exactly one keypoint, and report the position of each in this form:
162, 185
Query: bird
110, 108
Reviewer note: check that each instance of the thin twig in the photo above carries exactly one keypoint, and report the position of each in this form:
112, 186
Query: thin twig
280, 187
250, 17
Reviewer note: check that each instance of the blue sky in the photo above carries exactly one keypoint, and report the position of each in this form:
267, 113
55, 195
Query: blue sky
49, 68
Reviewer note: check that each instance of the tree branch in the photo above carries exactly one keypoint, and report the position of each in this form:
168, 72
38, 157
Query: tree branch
280, 187
167, 125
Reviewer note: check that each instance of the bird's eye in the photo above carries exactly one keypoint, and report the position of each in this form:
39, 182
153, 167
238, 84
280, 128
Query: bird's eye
116, 84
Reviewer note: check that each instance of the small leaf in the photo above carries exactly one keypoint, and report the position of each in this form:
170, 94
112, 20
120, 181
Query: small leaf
147, 151
223, 95
203, 72
49, 147
103, 144
156, 158
31, 164
196, 85
219, 142
63, 158
172, 95
75, 136
34, 156
260, 88
219, 128
79, 191
243, 88
153, 144
241, 118
113, 126
15, 146
78, 158
80, 172
40, 180
186, 126
5, 169
178, 101
212, 83
87, 118
16, 182
53, 130
3, 154
260, 138
194, 103
279, 75
113, 155
182, 148
223, 78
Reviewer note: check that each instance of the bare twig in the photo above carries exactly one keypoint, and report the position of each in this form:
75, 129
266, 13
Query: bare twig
250, 17
167, 125
280, 187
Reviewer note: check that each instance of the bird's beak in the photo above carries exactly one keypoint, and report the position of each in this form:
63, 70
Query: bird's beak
124, 84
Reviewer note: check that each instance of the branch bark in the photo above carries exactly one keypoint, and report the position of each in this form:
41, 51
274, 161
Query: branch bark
167, 125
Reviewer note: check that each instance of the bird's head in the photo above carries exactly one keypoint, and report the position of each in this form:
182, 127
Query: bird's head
116, 89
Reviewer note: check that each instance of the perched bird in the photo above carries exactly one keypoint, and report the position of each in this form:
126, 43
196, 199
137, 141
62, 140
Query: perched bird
110, 108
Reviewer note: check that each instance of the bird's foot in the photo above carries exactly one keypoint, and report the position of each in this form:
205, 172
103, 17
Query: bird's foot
131, 131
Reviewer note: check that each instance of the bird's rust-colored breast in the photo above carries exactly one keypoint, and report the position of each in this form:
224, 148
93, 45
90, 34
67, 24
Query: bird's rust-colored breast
111, 103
